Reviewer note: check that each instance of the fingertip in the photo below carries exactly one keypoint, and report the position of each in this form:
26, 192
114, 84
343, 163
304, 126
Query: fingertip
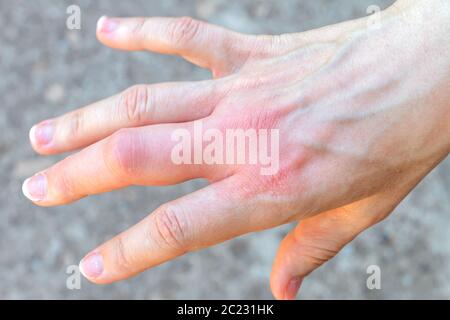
41, 137
284, 287
277, 294
100, 23
32, 136
292, 288
286, 277
25, 191
35, 188
34, 141
91, 266
106, 26
276, 285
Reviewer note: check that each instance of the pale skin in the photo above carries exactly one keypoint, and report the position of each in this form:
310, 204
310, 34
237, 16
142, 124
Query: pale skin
363, 114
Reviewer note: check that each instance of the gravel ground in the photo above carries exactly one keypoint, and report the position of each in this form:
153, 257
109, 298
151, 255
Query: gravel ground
46, 70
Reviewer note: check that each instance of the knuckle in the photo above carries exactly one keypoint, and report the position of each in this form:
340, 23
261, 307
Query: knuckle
75, 125
316, 253
134, 103
138, 29
317, 256
171, 227
124, 154
266, 45
122, 260
183, 30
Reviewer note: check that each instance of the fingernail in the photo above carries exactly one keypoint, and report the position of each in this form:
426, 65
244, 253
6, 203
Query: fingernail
35, 188
92, 265
42, 134
107, 25
292, 288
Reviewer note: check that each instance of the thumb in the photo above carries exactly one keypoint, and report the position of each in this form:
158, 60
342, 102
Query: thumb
318, 239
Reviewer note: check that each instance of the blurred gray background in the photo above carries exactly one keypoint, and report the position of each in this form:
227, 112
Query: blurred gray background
47, 70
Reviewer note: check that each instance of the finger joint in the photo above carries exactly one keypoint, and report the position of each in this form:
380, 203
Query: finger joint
171, 228
121, 256
183, 30
134, 103
124, 155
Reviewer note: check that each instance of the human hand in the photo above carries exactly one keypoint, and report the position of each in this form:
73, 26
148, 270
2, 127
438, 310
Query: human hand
344, 99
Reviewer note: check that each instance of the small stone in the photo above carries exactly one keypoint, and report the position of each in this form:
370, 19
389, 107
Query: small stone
206, 8
55, 93
262, 9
